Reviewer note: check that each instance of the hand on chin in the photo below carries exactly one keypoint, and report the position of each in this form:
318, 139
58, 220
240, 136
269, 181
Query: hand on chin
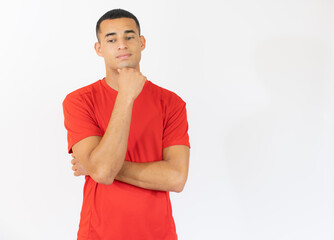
125, 65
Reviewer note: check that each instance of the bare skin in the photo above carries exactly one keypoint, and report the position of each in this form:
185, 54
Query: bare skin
120, 45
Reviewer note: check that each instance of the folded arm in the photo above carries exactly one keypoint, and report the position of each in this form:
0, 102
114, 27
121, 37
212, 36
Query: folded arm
169, 174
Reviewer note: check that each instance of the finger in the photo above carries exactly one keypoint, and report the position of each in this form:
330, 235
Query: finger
77, 173
74, 161
74, 168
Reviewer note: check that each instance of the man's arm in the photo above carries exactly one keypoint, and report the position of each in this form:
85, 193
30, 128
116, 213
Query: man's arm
169, 174
103, 157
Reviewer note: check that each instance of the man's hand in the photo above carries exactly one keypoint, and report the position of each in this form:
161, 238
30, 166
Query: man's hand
78, 169
130, 82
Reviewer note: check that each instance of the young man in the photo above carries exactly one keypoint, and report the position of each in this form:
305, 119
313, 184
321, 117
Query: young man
129, 137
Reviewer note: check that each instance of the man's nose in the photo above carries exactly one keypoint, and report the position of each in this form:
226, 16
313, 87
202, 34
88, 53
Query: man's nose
122, 44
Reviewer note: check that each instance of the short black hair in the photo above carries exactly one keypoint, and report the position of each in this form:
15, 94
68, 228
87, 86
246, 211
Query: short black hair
113, 14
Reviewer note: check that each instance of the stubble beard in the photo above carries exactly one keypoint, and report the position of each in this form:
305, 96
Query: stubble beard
126, 65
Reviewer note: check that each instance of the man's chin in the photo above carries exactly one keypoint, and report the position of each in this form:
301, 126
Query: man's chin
125, 65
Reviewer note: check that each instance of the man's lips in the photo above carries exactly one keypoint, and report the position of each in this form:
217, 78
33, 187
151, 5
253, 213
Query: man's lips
124, 56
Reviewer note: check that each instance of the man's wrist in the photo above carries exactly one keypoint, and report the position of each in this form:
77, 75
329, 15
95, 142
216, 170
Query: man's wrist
126, 99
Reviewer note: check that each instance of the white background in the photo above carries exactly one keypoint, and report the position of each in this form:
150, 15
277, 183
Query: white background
257, 77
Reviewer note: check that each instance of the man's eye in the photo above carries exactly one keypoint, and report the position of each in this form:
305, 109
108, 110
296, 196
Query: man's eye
128, 38
112, 40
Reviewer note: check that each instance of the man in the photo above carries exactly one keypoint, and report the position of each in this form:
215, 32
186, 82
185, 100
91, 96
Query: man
129, 138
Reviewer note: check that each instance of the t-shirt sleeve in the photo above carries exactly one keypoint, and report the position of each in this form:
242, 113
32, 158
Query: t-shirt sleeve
78, 121
175, 125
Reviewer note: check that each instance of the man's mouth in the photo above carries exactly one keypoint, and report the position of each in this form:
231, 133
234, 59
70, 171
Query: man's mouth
124, 56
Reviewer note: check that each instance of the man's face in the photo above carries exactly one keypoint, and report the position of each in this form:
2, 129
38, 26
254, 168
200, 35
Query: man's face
120, 44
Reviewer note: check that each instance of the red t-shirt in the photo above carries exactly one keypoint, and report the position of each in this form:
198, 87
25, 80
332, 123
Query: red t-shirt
120, 210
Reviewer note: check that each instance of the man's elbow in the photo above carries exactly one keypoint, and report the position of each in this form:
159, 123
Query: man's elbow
179, 184
102, 174
103, 179
107, 182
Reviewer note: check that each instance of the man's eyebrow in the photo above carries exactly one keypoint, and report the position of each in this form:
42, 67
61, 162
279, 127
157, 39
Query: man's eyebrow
129, 31
110, 34
113, 33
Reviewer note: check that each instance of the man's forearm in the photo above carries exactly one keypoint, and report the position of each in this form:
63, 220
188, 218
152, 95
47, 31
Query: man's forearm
157, 175
109, 154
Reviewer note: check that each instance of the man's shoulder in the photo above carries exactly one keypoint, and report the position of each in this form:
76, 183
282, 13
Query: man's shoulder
83, 91
166, 94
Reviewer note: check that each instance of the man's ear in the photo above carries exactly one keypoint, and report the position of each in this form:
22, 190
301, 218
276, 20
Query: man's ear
97, 47
142, 42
